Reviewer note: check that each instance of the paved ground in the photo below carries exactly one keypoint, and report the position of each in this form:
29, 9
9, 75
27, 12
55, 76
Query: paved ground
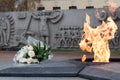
6, 60
7, 56
41, 78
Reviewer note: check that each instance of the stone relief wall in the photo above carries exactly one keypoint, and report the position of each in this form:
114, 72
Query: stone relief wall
6, 30
61, 29
114, 43
68, 36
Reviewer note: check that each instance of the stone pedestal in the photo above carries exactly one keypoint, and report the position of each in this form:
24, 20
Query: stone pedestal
62, 68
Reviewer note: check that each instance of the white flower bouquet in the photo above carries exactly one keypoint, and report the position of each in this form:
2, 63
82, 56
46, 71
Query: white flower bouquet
33, 53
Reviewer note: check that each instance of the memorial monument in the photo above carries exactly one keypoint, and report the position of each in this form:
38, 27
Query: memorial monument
60, 29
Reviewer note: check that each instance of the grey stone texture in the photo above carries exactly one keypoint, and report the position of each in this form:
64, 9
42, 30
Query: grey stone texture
66, 69
109, 71
10, 64
61, 29
41, 78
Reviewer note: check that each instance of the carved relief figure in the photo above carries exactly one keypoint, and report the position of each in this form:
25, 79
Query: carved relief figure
3, 32
43, 28
70, 36
43, 25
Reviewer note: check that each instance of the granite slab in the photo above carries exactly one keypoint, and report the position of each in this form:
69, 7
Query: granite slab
110, 71
48, 68
62, 68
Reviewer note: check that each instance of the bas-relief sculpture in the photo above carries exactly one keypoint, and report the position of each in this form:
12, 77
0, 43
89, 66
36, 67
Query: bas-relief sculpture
6, 30
66, 36
43, 28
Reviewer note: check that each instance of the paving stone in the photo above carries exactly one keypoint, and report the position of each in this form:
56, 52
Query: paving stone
48, 68
60, 68
41, 78
109, 71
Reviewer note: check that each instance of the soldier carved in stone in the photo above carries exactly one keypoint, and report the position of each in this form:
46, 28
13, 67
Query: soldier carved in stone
43, 27
3, 31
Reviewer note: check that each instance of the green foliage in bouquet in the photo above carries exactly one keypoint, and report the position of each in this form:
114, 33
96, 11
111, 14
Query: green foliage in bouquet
41, 52
32, 54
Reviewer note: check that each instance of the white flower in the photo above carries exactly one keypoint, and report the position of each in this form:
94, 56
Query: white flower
23, 51
22, 60
35, 61
21, 54
30, 48
50, 56
31, 54
18, 58
25, 47
29, 60
41, 44
27, 55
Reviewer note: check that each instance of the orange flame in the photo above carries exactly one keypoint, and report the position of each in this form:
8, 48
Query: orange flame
96, 39
83, 58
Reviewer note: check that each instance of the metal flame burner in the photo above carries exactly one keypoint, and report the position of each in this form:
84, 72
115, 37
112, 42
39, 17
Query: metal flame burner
110, 60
